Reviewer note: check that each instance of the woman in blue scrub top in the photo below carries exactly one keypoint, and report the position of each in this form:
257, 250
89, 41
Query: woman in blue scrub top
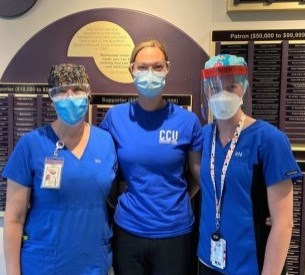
247, 171
58, 179
155, 139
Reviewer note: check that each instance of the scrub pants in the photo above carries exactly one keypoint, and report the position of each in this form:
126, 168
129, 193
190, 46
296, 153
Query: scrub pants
134, 255
205, 270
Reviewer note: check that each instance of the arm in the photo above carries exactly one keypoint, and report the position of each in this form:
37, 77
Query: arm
193, 178
117, 188
280, 201
17, 200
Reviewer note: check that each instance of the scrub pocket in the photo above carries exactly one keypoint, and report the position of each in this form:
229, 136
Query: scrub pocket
38, 258
106, 256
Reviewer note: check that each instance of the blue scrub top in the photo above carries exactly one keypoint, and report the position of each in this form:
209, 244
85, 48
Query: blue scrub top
67, 228
262, 157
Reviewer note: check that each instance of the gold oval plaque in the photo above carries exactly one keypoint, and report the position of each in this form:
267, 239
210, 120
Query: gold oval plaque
110, 46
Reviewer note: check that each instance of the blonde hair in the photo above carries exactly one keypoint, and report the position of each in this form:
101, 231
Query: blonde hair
146, 44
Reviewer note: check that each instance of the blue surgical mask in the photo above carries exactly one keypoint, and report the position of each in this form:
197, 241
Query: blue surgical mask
71, 110
149, 84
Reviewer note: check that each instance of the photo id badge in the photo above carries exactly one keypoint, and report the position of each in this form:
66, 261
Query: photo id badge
218, 252
52, 173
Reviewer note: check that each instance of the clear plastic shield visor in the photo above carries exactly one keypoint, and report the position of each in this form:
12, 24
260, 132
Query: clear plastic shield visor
230, 78
78, 90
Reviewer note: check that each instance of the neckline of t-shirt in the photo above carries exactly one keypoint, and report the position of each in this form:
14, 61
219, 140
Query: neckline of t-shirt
158, 111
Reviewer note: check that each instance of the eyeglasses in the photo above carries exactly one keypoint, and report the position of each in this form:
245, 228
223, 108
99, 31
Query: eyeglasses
72, 90
145, 67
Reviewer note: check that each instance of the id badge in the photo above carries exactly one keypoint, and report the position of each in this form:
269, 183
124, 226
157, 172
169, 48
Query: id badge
52, 173
218, 252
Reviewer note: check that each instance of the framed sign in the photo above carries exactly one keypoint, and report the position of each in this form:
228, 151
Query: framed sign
264, 5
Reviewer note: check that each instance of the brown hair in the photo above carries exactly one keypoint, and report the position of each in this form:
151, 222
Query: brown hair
145, 44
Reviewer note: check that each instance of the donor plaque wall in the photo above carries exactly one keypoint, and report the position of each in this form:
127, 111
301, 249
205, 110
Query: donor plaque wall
276, 62
23, 107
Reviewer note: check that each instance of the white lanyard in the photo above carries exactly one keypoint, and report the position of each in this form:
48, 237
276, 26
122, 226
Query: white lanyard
224, 167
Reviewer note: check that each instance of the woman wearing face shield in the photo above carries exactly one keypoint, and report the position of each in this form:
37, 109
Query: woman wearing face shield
247, 171
58, 179
155, 139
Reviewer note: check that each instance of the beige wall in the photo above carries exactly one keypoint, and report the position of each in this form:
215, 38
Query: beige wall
197, 18
15, 32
